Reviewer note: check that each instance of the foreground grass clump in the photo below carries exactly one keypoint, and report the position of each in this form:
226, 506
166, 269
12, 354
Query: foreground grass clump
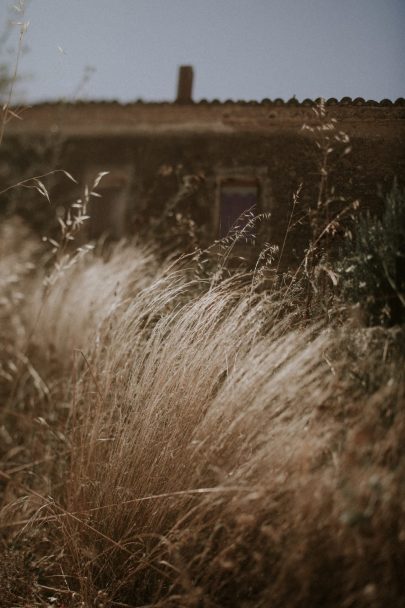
192, 449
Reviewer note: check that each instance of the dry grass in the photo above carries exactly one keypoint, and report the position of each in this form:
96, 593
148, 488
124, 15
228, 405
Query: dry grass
198, 451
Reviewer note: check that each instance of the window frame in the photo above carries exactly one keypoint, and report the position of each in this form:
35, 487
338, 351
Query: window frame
242, 173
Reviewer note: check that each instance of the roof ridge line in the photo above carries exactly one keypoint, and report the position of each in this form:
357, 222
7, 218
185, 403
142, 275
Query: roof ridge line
278, 101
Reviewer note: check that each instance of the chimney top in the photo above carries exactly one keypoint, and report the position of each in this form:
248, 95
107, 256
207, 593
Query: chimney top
185, 84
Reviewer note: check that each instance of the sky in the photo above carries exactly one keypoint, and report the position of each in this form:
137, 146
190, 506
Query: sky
240, 49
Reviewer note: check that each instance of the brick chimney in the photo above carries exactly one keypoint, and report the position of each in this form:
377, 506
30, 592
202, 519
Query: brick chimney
185, 84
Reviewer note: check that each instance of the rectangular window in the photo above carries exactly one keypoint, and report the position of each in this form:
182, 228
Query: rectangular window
238, 196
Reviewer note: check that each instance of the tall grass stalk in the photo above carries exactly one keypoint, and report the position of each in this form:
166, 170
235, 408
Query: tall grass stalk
7, 113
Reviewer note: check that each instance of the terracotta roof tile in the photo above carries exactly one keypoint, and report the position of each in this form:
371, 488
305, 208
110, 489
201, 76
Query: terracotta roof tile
332, 101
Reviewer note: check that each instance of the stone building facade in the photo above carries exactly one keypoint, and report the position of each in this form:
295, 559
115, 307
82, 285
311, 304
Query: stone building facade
212, 160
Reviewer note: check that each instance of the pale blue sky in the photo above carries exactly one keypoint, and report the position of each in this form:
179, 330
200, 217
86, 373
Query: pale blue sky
240, 49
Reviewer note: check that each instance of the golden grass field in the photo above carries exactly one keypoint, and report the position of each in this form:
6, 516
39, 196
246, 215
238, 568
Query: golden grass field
173, 438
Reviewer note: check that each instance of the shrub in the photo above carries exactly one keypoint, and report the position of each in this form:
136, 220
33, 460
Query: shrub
372, 265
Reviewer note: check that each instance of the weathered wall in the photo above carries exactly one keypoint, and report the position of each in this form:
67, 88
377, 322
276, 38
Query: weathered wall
150, 148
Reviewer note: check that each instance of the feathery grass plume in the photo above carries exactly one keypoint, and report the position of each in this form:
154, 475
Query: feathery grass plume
210, 456
19, 252
213, 450
187, 418
70, 316
327, 216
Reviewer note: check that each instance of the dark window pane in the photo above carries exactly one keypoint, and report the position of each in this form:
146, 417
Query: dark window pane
237, 196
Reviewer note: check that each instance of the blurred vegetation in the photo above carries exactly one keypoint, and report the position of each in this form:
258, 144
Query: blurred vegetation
372, 263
